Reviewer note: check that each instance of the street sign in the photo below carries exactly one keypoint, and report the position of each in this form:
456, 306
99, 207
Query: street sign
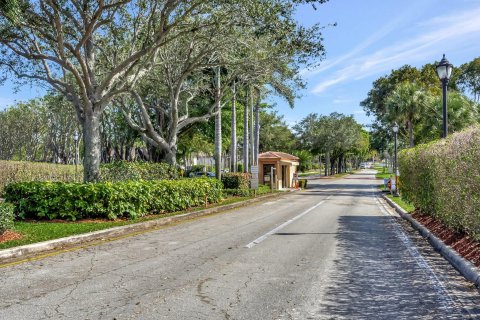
254, 179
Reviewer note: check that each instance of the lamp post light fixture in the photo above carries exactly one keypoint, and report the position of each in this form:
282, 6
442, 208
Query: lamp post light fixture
395, 131
75, 140
444, 72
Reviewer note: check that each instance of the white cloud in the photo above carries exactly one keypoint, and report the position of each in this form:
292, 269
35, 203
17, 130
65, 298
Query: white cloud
443, 32
342, 101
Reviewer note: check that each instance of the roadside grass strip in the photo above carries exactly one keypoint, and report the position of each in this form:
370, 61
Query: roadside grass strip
283, 225
39, 231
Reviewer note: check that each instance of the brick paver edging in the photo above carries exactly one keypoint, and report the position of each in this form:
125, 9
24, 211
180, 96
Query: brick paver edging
465, 267
40, 247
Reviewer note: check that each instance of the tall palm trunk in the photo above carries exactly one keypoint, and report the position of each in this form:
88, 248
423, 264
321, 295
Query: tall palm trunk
327, 163
257, 129
410, 133
245, 133
252, 125
233, 142
218, 129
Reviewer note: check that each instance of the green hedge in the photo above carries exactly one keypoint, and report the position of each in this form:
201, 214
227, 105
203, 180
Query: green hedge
139, 170
236, 180
262, 189
302, 183
442, 179
6, 216
72, 201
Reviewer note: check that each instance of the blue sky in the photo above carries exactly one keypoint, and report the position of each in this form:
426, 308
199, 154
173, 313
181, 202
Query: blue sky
371, 38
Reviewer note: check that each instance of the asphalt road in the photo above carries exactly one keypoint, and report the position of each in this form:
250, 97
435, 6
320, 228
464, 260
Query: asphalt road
330, 252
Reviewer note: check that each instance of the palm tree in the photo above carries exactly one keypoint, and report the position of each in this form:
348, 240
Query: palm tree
10, 9
233, 124
218, 128
245, 133
405, 105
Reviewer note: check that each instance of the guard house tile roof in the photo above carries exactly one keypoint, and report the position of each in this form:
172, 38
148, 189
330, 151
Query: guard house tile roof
277, 155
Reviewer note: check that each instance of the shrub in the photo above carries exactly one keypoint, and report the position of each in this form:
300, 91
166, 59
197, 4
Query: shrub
239, 167
139, 170
6, 217
20, 171
262, 189
236, 180
442, 179
72, 201
302, 183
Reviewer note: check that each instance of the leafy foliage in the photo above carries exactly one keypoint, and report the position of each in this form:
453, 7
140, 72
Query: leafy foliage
413, 98
72, 201
442, 179
262, 189
124, 170
236, 180
6, 216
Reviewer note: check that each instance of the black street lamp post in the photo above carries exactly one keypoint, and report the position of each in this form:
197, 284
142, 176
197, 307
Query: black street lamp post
444, 72
75, 140
395, 131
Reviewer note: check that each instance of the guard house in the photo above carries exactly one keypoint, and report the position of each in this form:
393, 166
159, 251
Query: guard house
284, 166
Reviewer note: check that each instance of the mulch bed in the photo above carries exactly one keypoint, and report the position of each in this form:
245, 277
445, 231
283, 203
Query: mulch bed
467, 247
9, 236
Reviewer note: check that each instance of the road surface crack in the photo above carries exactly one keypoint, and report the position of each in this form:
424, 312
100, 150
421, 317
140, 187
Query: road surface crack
209, 300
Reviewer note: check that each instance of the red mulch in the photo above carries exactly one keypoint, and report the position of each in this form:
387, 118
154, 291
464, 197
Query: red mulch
9, 236
459, 241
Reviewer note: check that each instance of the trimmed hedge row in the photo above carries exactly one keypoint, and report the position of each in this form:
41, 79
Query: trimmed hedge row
442, 179
138, 170
6, 217
262, 189
72, 201
234, 180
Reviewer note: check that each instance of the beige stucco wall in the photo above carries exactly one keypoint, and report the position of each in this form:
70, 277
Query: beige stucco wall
291, 168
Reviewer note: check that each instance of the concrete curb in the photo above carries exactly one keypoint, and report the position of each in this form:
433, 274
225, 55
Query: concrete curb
465, 267
37, 248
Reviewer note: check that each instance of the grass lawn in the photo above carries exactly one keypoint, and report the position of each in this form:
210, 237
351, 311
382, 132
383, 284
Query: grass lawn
42, 231
402, 203
382, 172
309, 173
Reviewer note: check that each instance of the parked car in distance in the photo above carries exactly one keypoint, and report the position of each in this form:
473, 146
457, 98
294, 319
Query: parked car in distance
202, 174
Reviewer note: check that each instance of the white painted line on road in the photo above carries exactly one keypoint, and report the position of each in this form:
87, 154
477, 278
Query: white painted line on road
283, 225
419, 259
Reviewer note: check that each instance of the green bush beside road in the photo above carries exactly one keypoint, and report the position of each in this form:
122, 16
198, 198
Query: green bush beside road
139, 170
72, 201
235, 180
6, 217
442, 179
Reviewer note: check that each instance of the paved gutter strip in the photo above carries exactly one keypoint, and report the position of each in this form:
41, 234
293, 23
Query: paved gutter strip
465, 267
40, 247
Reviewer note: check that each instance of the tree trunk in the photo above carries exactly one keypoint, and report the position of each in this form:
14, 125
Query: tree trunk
218, 129
256, 143
171, 156
410, 133
252, 139
327, 162
233, 144
245, 134
91, 147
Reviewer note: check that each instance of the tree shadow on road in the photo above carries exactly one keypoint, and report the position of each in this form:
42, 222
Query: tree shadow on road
376, 276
